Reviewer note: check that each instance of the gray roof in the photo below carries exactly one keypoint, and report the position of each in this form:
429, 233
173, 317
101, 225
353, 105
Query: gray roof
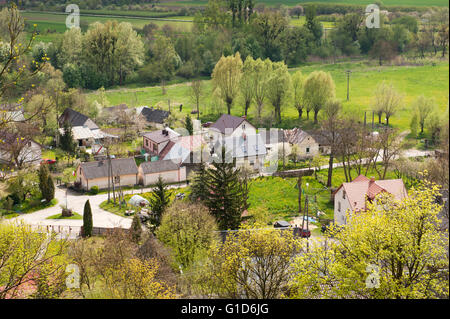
296, 135
227, 121
159, 166
99, 169
159, 137
76, 119
153, 115
240, 147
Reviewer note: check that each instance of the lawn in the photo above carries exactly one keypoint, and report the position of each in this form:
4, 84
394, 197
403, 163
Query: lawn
430, 80
26, 207
60, 216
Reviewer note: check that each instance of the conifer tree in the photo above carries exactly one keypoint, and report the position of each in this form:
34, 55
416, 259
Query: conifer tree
225, 194
46, 185
50, 194
87, 220
198, 187
159, 201
136, 229
189, 125
66, 139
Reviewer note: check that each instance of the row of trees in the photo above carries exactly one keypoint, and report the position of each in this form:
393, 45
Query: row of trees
262, 82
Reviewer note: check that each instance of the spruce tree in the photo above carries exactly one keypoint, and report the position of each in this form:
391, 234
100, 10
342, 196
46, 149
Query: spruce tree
225, 195
198, 186
50, 194
189, 125
136, 229
87, 220
43, 175
66, 139
159, 201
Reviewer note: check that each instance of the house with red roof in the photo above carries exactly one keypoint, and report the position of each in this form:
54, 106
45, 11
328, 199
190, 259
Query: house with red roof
354, 196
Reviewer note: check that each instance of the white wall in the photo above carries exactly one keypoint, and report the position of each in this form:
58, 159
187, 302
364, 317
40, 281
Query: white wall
340, 216
168, 177
102, 183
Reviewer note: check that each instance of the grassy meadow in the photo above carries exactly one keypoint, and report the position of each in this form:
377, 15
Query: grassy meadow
413, 81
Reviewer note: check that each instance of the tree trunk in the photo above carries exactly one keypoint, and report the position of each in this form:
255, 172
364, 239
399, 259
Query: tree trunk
315, 116
330, 170
307, 114
247, 105
300, 113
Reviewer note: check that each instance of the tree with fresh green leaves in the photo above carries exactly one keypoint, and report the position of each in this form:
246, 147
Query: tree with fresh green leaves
246, 84
136, 229
226, 77
391, 250
414, 124
298, 81
387, 101
66, 139
87, 220
278, 87
189, 230
424, 107
196, 94
319, 87
188, 125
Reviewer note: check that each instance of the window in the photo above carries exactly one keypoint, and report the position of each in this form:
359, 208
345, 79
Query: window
339, 206
343, 194
146, 143
243, 126
307, 150
116, 179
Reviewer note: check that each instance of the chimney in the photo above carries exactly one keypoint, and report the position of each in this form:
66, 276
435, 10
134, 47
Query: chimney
244, 117
372, 180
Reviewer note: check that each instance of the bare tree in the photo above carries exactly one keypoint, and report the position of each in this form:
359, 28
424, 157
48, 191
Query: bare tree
196, 94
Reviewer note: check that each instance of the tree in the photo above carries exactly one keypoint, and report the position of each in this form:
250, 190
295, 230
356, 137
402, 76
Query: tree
278, 87
298, 82
313, 25
87, 220
383, 50
296, 11
199, 190
268, 26
226, 77
189, 230
196, 94
225, 198
260, 78
330, 132
46, 185
188, 125
387, 100
159, 201
414, 124
136, 229
246, 84
388, 146
251, 264
392, 245
318, 89
32, 262
66, 139
71, 47
423, 107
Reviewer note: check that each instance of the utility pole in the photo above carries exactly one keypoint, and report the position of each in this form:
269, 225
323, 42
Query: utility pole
373, 118
348, 84
282, 130
109, 176
365, 118
299, 184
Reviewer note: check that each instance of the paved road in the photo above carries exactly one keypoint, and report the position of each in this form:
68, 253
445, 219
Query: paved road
75, 201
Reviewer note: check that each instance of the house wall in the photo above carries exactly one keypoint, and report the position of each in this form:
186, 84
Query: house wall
249, 130
258, 161
29, 154
310, 143
102, 183
168, 177
340, 214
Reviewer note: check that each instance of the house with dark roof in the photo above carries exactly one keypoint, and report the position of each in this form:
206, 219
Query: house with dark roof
171, 171
18, 151
153, 117
229, 125
307, 144
76, 119
124, 173
352, 197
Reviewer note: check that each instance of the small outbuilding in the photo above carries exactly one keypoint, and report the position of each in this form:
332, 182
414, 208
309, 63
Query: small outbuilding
137, 201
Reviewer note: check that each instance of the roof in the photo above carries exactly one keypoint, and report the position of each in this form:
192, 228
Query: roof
362, 188
321, 137
158, 136
99, 169
136, 200
76, 119
10, 138
226, 121
243, 146
153, 115
83, 133
159, 166
297, 136
182, 147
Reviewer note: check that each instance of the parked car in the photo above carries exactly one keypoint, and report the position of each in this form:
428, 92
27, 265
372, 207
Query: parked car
48, 161
303, 233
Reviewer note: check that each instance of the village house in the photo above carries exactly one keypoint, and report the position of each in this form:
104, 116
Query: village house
244, 149
170, 171
229, 125
152, 117
307, 144
84, 130
124, 172
353, 197
155, 142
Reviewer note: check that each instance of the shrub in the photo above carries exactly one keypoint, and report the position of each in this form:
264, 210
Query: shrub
94, 190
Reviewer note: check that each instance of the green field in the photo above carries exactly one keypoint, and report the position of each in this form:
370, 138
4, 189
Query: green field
412, 81
179, 3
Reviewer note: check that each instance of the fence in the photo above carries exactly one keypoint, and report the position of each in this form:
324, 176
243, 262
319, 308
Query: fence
71, 232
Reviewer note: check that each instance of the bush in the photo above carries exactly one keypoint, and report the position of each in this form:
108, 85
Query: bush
94, 190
